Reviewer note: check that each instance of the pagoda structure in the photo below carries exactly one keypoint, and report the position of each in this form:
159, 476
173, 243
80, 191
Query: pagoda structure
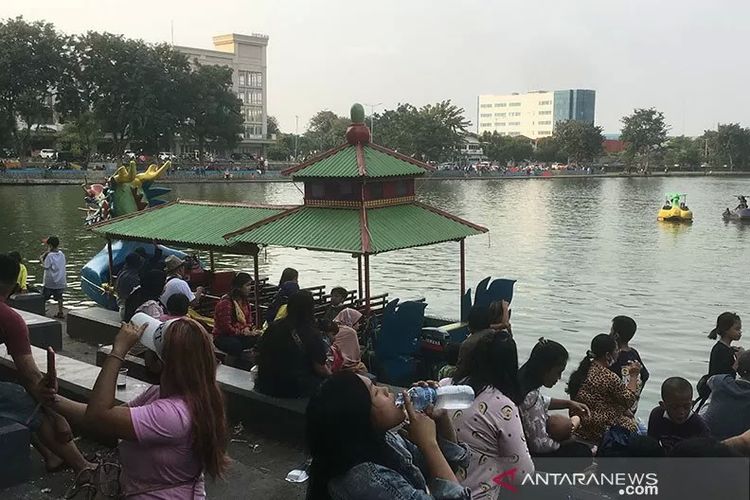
359, 198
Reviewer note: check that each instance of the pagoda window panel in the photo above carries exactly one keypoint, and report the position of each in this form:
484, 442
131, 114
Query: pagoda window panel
389, 189
404, 188
346, 189
375, 191
350, 190
317, 190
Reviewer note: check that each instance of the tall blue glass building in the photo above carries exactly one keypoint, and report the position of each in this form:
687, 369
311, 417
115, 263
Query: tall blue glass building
574, 104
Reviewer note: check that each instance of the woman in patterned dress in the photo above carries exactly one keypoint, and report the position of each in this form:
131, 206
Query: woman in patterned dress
599, 388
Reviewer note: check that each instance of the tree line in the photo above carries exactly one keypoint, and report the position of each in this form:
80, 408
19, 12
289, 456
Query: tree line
436, 131
105, 86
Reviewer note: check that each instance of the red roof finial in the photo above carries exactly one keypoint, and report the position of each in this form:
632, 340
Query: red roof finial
358, 133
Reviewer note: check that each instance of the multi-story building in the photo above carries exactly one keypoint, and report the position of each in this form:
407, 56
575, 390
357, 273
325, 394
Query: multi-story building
246, 55
470, 150
533, 114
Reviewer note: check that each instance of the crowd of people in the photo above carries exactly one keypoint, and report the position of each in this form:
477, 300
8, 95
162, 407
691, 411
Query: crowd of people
510, 426
364, 445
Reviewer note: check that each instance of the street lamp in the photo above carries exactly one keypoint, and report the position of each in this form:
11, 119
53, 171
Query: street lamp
372, 111
296, 135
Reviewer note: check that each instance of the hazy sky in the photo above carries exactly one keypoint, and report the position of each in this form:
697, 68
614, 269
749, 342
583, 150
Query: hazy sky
687, 58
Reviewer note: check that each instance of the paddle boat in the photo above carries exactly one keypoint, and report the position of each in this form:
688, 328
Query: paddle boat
741, 213
675, 209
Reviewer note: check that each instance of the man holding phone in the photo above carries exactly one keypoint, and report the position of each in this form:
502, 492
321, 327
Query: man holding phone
52, 436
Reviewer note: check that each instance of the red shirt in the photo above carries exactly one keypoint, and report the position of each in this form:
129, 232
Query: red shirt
13, 331
225, 320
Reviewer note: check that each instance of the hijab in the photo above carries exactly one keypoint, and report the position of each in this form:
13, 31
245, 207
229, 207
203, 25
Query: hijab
347, 341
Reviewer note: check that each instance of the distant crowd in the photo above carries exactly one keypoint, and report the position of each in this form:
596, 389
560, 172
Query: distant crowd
363, 445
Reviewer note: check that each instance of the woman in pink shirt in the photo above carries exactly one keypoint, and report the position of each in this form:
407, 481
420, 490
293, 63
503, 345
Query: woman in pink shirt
171, 434
491, 427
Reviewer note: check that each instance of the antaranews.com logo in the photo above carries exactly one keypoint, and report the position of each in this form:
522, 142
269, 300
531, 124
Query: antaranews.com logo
626, 483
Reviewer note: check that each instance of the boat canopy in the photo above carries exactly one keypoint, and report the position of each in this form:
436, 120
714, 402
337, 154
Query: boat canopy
189, 224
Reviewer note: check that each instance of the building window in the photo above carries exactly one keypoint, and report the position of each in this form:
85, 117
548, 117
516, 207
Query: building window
243, 97
485, 106
545, 122
514, 104
486, 124
500, 115
545, 103
499, 124
514, 124
255, 79
499, 104
545, 112
243, 78
255, 97
486, 115
254, 114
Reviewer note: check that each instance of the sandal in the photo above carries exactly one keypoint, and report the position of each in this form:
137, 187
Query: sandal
82, 483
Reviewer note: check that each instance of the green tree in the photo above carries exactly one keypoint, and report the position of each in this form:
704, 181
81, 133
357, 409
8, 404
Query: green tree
82, 134
683, 151
215, 113
30, 58
729, 145
134, 89
645, 132
548, 151
432, 132
326, 130
579, 141
503, 148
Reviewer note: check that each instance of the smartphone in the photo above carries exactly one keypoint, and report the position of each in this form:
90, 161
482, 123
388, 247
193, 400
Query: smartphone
51, 370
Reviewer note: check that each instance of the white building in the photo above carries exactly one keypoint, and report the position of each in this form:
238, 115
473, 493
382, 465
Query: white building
533, 114
471, 150
246, 55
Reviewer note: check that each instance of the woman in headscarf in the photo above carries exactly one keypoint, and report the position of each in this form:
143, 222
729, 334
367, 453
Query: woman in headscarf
346, 341
277, 309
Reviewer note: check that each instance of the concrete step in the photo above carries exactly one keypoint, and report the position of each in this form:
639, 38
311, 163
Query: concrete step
43, 331
15, 454
93, 325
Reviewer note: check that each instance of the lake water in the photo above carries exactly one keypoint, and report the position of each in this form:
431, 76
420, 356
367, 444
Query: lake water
583, 251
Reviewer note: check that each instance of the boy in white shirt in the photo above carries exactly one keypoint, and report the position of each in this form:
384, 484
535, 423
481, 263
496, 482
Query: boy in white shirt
55, 280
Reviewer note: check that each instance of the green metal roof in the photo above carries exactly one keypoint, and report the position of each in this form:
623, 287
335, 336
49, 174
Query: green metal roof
376, 161
186, 223
341, 229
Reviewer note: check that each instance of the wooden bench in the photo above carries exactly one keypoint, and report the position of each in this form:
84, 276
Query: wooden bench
43, 331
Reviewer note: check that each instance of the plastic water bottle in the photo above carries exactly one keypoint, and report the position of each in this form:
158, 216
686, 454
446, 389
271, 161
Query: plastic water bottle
450, 397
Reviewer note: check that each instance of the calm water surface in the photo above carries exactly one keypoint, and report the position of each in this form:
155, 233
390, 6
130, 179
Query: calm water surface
582, 250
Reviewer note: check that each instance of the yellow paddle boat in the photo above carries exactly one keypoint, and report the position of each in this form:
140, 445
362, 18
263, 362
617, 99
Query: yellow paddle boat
675, 209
